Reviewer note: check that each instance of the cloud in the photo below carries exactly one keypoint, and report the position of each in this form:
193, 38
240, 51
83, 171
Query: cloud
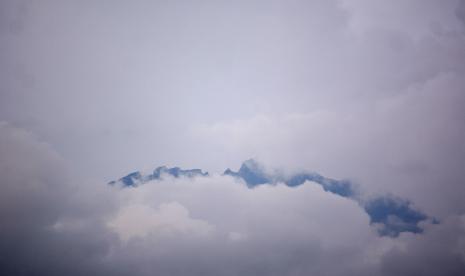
48, 222
164, 67
440, 250
394, 215
401, 17
210, 225
368, 91
169, 219
411, 145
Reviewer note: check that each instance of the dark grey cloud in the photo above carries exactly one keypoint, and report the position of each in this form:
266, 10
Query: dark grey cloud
440, 250
36, 194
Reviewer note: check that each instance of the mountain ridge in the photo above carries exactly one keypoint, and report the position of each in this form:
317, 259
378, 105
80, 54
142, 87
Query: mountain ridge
394, 215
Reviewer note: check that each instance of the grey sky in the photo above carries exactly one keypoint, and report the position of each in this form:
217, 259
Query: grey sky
115, 86
373, 91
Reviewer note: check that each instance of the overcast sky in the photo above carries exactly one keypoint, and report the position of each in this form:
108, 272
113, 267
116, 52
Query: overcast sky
371, 91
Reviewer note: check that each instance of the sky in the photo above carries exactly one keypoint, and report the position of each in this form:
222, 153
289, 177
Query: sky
369, 91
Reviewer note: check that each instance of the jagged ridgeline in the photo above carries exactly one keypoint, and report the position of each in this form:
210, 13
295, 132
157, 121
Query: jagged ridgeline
136, 178
391, 214
251, 172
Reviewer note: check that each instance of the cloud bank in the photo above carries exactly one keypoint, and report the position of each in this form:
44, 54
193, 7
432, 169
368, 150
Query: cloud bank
208, 225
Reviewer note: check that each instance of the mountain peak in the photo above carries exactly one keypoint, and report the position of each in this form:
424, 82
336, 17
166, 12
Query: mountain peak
251, 163
251, 172
135, 178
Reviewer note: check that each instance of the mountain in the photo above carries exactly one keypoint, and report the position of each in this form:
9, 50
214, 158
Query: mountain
253, 174
136, 178
393, 215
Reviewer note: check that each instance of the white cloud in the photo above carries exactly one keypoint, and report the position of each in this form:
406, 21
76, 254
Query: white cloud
169, 219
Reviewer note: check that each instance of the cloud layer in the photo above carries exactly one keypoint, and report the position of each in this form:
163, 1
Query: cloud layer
366, 90
211, 225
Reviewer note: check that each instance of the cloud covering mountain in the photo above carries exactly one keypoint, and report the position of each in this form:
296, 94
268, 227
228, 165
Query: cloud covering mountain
393, 215
206, 225
354, 110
